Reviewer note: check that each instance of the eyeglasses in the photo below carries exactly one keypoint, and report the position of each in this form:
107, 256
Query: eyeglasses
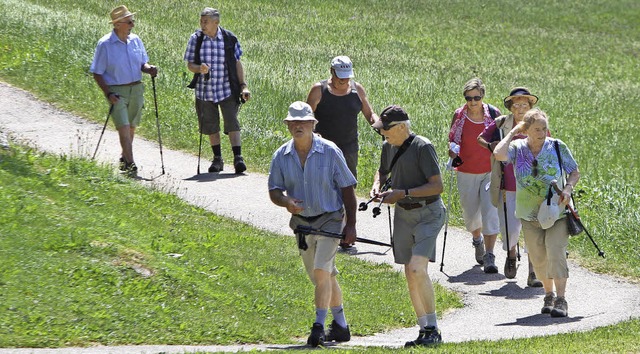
475, 98
534, 172
520, 105
130, 22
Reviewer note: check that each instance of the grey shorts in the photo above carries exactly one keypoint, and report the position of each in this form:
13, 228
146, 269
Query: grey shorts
415, 231
322, 250
209, 116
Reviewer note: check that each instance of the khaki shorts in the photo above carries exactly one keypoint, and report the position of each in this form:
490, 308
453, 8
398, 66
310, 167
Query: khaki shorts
547, 248
209, 116
475, 200
415, 231
322, 250
128, 110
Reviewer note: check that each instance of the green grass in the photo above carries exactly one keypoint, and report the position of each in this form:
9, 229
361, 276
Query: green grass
81, 265
580, 58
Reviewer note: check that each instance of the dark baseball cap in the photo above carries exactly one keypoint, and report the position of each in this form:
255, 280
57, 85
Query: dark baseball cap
393, 113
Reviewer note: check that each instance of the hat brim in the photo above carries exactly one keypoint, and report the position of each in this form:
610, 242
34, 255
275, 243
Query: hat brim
122, 17
533, 98
344, 74
300, 119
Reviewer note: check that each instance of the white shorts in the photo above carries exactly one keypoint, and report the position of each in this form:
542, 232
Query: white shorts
475, 200
512, 222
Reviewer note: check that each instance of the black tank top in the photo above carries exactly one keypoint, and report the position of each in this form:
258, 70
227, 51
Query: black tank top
338, 117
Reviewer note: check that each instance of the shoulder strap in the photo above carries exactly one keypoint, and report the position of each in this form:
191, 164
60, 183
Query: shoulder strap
405, 145
197, 60
492, 111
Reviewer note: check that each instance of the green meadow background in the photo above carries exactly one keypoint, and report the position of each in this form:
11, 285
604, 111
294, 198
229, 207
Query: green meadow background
580, 57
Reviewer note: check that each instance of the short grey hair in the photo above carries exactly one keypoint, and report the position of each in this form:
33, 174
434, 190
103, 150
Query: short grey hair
211, 12
472, 84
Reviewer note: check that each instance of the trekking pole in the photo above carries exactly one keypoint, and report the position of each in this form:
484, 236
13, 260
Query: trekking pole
446, 224
575, 214
504, 208
155, 102
307, 230
103, 128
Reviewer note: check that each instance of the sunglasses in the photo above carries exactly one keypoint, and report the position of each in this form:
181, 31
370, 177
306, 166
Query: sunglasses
534, 172
475, 98
130, 22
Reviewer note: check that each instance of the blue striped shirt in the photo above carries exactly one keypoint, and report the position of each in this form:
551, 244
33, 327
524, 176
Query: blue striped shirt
217, 88
319, 184
118, 62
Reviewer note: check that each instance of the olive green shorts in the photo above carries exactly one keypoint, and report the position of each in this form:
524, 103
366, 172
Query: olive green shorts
128, 110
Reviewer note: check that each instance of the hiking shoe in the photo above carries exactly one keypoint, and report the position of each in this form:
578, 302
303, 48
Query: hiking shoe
479, 246
426, 337
560, 307
489, 261
216, 165
238, 164
548, 303
337, 333
122, 164
510, 269
533, 282
130, 169
316, 337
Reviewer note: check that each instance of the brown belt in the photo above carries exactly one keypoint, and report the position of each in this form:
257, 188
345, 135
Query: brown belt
416, 205
310, 219
130, 84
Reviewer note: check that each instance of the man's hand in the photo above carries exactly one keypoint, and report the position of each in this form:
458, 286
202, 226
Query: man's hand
294, 206
392, 196
152, 70
246, 94
350, 235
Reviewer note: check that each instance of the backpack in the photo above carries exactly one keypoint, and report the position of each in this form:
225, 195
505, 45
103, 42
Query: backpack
230, 41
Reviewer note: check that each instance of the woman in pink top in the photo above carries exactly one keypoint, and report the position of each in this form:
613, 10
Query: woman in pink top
474, 173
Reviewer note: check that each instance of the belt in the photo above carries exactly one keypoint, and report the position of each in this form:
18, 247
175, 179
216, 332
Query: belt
310, 219
130, 84
416, 205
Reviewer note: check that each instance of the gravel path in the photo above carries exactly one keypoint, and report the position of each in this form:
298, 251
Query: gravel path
495, 307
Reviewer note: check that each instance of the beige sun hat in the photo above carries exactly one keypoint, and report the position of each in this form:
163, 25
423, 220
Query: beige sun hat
119, 13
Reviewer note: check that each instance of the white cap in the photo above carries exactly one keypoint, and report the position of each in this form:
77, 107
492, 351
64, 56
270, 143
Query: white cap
343, 67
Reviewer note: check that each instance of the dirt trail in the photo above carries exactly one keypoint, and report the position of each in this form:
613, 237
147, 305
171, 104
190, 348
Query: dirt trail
495, 307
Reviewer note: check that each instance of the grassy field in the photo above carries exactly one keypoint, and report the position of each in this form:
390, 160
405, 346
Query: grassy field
580, 58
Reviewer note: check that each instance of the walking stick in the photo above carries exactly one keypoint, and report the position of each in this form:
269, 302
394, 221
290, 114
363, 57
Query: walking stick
306, 230
504, 208
155, 102
103, 128
446, 224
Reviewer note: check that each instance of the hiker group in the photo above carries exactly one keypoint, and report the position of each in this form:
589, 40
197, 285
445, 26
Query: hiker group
511, 175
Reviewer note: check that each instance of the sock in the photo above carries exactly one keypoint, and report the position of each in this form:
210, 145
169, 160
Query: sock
422, 321
237, 150
321, 315
217, 151
432, 320
478, 241
338, 315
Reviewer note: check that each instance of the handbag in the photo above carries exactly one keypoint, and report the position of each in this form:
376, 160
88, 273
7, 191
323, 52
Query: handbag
574, 225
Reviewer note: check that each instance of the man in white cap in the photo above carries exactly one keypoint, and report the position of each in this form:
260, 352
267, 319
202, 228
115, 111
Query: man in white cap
336, 103
319, 194
117, 53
